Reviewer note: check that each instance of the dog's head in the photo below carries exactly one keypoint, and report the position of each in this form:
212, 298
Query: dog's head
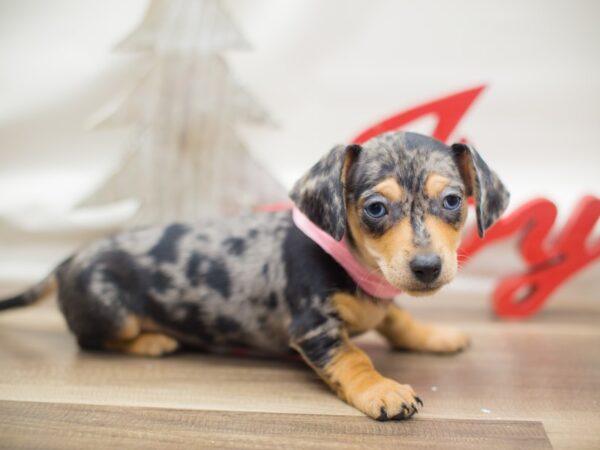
401, 201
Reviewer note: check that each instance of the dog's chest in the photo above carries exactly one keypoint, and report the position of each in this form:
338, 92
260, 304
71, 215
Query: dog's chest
360, 314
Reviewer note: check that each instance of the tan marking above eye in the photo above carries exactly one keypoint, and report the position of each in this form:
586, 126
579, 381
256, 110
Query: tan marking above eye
390, 189
435, 184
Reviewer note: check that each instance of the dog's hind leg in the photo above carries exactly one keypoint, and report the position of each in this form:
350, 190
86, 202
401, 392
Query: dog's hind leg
135, 342
103, 306
131, 337
124, 333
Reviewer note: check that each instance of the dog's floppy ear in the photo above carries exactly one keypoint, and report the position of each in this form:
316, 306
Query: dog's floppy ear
491, 197
319, 194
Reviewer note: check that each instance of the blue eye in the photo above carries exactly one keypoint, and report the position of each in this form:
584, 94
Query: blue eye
452, 202
376, 210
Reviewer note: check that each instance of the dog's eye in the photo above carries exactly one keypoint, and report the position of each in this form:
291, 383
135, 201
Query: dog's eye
376, 210
452, 202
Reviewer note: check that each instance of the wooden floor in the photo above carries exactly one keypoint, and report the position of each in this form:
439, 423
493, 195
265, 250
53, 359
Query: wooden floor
524, 385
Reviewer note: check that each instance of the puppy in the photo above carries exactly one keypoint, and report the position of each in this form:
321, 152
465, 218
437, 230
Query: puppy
271, 281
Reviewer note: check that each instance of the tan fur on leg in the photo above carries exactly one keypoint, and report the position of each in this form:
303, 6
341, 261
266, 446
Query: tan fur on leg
404, 332
352, 375
145, 344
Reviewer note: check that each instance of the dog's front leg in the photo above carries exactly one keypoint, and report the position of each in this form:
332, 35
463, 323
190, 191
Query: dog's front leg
403, 332
350, 373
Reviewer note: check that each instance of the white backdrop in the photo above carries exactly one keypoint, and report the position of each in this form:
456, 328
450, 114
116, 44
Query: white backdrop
325, 70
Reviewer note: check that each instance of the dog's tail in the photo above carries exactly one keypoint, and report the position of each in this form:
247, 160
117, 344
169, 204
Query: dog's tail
34, 294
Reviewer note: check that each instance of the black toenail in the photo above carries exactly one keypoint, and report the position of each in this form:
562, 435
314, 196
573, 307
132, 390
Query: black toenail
383, 415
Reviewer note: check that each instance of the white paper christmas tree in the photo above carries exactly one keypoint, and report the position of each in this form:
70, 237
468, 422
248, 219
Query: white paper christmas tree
184, 160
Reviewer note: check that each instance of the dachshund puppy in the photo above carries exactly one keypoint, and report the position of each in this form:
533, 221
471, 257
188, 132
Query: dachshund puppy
370, 220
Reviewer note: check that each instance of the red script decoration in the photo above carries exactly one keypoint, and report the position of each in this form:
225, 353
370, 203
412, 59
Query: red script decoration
549, 264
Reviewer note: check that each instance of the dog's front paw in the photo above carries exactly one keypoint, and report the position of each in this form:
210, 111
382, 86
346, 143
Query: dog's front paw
386, 399
441, 339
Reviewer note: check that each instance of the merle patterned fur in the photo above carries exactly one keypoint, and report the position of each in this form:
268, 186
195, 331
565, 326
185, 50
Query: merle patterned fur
257, 280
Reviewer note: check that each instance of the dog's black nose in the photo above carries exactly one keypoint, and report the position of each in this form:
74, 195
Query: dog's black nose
426, 267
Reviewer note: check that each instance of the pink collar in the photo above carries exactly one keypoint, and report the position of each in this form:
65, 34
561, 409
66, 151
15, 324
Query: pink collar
373, 284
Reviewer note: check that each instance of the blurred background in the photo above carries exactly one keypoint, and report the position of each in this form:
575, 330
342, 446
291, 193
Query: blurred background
114, 114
